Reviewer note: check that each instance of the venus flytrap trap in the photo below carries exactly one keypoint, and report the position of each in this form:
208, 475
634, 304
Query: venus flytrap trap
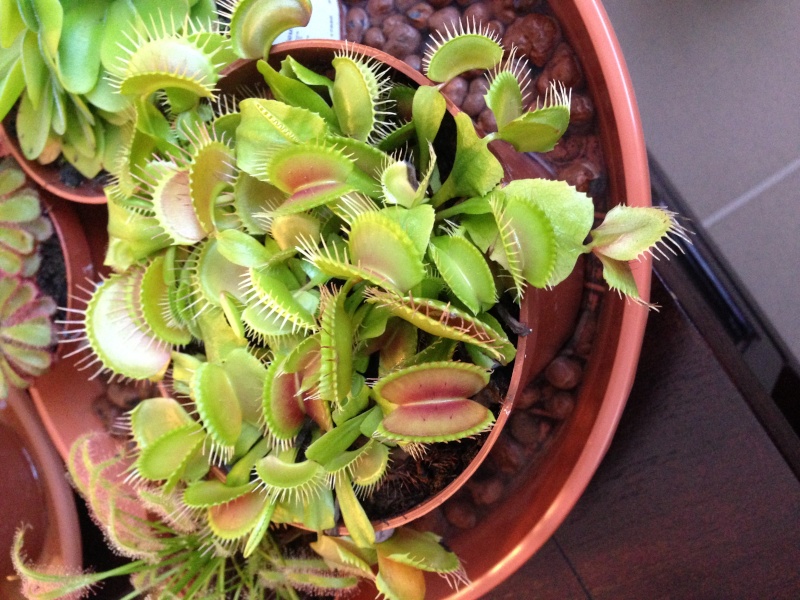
320, 285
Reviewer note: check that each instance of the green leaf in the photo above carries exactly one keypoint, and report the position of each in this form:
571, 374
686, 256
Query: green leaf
629, 231
465, 271
295, 93
428, 109
33, 125
217, 405
528, 241
570, 212
266, 123
504, 98
79, 49
355, 519
461, 53
539, 130
379, 245
12, 22
256, 23
37, 75
242, 249
476, 171
11, 86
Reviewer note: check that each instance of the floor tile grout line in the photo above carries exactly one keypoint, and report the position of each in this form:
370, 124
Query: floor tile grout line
754, 192
571, 566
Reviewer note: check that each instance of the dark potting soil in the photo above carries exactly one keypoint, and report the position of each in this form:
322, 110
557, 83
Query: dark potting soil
52, 275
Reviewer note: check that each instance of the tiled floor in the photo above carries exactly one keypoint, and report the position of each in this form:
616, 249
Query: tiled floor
718, 86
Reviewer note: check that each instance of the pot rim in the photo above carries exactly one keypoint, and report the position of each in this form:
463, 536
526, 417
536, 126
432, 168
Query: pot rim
635, 186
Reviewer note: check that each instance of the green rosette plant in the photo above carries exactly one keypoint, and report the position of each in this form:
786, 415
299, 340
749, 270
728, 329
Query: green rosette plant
320, 292
27, 335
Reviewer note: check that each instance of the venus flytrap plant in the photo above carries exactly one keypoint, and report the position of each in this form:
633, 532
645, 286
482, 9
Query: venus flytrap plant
321, 290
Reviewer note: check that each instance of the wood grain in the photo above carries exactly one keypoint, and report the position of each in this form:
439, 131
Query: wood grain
692, 501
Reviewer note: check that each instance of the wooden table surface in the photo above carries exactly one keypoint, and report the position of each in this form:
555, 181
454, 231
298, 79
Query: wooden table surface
693, 499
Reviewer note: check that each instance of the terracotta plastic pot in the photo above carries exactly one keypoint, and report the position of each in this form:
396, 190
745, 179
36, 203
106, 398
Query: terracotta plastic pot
36, 493
551, 314
48, 177
544, 494
548, 491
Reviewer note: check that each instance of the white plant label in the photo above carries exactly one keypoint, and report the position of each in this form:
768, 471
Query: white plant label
325, 23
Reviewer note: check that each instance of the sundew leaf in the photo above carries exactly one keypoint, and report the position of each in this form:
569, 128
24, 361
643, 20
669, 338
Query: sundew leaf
267, 123
570, 212
476, 170
528, 241
465, 270
627, 231
378, 244
255, 24
461, 52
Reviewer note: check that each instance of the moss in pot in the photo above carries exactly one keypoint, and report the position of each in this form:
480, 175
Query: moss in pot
329, 285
